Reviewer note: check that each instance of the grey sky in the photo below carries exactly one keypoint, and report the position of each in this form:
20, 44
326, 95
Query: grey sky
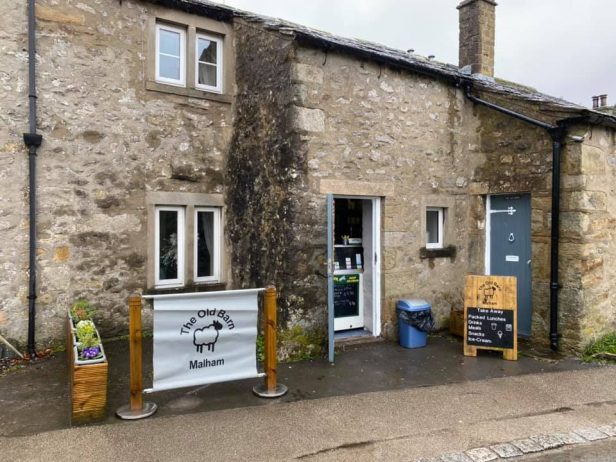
566, 48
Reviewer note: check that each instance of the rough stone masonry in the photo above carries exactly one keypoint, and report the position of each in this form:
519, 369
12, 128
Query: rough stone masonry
298, 121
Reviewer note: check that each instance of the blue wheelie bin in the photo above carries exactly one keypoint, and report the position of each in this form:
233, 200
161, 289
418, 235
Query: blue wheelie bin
414, 322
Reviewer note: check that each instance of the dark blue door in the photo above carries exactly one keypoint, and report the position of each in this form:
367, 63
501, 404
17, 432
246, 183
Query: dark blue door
510, 249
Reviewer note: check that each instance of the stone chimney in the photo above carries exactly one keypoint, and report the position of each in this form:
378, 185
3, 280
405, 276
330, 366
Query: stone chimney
599, 101
477, 29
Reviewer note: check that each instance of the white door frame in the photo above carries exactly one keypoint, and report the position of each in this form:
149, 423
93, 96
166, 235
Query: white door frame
376, 268
487, 252
375, 260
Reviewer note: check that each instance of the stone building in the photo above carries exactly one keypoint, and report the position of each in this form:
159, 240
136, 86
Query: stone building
600, 104
191, 146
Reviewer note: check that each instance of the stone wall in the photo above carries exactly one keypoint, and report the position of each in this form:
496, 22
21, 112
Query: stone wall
588, 256
431, 147
273, 241
515, 157
379, 126
305, 122
106, 141
13, 170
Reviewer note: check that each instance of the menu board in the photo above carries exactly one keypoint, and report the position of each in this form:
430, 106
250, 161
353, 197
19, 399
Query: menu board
489, 327
346, 295
490, 315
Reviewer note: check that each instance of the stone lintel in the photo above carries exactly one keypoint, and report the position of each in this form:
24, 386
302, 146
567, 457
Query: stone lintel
477, 188
46, 13
355, 188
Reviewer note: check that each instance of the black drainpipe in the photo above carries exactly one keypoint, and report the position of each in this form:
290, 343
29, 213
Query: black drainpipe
32, 141
557, 133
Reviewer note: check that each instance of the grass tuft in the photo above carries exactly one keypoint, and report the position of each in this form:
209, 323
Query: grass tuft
602, 349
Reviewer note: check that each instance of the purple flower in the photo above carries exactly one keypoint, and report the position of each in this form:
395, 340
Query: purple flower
90, 352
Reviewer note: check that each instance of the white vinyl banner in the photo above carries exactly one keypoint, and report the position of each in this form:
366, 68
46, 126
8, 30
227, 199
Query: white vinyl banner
204, 337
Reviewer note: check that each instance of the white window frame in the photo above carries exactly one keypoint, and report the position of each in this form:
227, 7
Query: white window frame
441, 226
217, 239
182, 81
219, 62
179, 281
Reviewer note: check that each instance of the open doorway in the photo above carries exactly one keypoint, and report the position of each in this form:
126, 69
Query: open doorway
356, 275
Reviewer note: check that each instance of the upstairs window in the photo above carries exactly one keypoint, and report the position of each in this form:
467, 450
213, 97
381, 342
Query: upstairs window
434, 227
208, 65
170, 55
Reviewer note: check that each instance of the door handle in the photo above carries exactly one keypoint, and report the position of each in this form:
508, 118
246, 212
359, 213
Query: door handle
528, 262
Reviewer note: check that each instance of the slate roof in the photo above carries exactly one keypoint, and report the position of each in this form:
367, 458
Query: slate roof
394, 57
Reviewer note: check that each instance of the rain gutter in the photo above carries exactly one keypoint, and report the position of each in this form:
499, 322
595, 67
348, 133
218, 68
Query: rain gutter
32, 140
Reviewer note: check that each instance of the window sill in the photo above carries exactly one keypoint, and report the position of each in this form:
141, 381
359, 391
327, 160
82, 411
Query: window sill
445, 252
188, 288
189, 92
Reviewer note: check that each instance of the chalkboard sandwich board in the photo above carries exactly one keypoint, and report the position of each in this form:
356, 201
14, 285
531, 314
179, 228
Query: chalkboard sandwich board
346, 295
490, 315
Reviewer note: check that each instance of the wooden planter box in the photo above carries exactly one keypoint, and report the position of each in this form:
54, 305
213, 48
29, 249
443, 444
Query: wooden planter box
88, 385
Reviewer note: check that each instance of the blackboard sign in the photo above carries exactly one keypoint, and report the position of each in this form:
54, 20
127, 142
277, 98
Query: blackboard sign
489, 327
490, 315
346, 295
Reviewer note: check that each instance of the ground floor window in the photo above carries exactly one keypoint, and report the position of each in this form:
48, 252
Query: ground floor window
186, 241
435, 219
207, 250
169, 241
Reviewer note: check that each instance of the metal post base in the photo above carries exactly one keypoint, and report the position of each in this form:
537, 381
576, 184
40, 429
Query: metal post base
126, 413
262, 392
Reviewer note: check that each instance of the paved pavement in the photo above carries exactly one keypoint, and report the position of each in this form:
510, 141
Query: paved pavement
603, 451
395, 425
36, 400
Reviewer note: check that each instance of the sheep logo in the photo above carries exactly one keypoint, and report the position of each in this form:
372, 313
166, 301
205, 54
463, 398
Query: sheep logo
206, 336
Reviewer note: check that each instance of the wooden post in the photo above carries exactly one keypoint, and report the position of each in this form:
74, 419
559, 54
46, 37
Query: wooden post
271, 388
137, 409
271, 361
134, 332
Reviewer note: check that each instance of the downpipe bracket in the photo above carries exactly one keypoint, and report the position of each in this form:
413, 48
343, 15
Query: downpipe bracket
33, 139
554, 341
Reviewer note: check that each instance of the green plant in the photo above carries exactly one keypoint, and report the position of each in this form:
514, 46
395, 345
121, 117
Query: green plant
89, 343
260, 348
602, 349
86, 334
301, 344
81, 311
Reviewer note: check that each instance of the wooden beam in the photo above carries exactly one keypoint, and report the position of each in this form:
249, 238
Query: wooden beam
136, 376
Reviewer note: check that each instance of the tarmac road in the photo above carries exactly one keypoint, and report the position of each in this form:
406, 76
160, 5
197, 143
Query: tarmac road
393, 425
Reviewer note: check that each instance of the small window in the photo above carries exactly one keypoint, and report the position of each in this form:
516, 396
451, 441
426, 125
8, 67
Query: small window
207, 244
434, 228
208, 65
170, 55
169, 252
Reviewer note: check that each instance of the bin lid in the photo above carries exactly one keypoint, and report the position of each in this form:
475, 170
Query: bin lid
413, 305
